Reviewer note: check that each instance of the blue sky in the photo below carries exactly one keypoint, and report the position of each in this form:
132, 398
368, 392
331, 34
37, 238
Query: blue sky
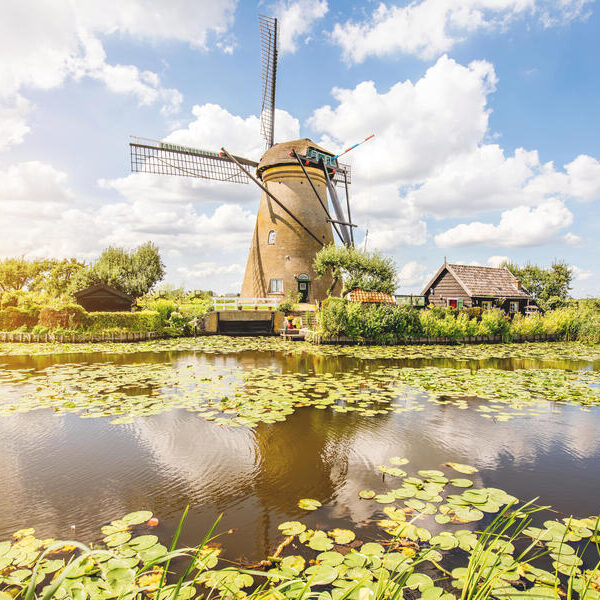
484, 111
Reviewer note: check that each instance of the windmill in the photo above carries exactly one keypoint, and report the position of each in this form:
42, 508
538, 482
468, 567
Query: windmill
298, 180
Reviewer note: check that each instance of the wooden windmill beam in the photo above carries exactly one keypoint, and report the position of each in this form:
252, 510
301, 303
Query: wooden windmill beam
348, 206
266, 191
314, 189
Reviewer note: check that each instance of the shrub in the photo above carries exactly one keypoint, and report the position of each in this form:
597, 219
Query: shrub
68, 316
494, 322
163, 307
530, 325
141, 322
39, 330
15, 317
563, 322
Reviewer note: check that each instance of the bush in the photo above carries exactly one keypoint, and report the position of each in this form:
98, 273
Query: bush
163, 307
15, 317
530, 325
368, 322
67, 316
564, 322
141, 322
494, 322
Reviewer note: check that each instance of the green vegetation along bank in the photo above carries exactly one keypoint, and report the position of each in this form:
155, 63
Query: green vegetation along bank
386, 323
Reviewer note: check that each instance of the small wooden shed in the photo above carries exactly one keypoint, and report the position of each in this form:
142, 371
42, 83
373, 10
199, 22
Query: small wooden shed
104, 298
467, 286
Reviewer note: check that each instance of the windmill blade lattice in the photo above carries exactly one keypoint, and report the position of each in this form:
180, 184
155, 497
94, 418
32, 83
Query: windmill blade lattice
161, 158
268, 51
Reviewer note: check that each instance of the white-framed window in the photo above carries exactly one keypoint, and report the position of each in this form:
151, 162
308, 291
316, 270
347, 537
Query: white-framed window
486, 304
514, 307
271, 238
276, 286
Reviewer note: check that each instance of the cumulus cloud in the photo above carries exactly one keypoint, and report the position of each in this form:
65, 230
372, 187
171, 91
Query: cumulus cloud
521, 226
497, 261
431, 157
43, 44
412, 274
428, 28
296, 19
580, 274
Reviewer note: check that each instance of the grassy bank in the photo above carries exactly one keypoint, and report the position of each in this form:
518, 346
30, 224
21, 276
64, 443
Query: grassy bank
388, 323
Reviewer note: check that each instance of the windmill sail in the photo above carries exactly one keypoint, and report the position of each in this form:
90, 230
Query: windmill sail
161, 158
268, 51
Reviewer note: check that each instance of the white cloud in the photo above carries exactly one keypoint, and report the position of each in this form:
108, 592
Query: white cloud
215, 127
296, 18
13, 121
43, 44
580, 274
497, 261
571, 239
431, 157
521, 226
417, 126
428, 28
412, 274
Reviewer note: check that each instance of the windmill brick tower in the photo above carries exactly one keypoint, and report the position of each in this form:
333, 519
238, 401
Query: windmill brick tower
298, 180
282, 252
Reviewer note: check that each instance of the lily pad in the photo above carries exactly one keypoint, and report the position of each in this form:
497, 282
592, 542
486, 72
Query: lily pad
308, 504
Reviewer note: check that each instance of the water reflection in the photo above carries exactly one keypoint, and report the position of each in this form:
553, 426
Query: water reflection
59, 471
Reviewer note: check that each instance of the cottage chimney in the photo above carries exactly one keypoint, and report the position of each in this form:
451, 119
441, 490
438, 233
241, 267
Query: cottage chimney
518, 283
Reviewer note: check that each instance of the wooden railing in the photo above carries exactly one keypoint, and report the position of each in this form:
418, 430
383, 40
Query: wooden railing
235, 303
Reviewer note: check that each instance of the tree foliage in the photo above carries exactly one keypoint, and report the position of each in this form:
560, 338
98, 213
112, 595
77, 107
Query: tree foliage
549, 287
134, 272
50, 276
369, 271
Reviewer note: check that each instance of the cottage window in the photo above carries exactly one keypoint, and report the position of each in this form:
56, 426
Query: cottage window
276, 286
486, 304
271, 238
514, 307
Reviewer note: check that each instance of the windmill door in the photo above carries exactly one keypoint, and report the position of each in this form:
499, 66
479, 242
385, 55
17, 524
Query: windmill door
303, 283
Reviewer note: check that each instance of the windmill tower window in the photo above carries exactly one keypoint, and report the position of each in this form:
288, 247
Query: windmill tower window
271, 238
276, 286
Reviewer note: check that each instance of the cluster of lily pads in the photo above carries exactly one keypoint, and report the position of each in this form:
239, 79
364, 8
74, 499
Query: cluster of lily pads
420, 542
546, 351
232, 396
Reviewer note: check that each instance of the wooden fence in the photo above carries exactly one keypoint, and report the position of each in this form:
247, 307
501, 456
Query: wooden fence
316, 338
78, 338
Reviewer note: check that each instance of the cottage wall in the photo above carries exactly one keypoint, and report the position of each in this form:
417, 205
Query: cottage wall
445, 287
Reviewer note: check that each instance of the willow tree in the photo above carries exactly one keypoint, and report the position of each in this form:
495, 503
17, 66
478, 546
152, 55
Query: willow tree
369, 271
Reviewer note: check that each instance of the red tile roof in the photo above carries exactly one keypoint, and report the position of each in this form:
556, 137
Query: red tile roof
375, 297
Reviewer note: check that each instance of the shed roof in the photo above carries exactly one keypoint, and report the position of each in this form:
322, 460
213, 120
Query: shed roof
279, 153
484, 282
375, 297
102, 287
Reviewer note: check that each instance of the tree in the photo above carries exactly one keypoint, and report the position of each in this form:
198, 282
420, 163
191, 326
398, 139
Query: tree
17, 273
549, 287
369, 271
134, 272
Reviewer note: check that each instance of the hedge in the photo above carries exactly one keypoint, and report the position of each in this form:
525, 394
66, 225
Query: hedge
70, 316
143, 321
13, 317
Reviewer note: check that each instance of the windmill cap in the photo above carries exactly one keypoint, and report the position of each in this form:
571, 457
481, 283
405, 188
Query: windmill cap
279, 154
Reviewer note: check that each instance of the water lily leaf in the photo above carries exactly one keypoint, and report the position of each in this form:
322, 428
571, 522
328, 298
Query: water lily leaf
137, 518
320, 542
463, 483
321, 574
117, 539
143, 542
372, 549
398, 461
419, 581
342, 536
332, 559
295, 563
291, 527
444, 542
308, 504
461, 468
367, 494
